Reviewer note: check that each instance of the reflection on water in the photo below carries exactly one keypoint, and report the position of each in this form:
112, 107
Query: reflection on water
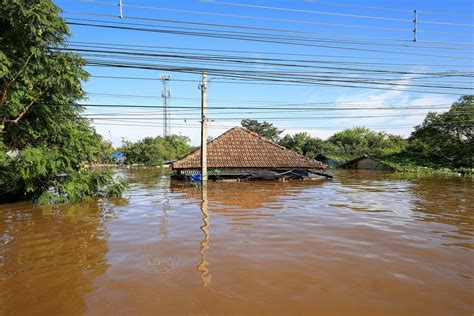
50, 256
365, 243
203, 266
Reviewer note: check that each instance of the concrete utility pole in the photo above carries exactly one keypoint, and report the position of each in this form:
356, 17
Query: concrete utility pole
166, 94
415, 20
203, 128
121, 9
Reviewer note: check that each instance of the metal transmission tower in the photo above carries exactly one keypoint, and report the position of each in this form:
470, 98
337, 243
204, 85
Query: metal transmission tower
166, 95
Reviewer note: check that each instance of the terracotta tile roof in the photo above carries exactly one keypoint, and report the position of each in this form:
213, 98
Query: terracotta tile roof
240, 148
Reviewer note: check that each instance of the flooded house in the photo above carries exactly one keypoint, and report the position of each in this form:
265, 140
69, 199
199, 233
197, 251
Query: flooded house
329, 161
366, 162
239, 154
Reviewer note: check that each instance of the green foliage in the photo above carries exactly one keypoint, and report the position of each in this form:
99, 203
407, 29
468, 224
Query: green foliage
39, 117
358, 141
443, 143
345, 145
445, 139
152, 151
264, 129
304, 144
106, 149
82, 186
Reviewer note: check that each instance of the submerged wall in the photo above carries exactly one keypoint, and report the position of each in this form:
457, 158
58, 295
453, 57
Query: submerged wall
368, 164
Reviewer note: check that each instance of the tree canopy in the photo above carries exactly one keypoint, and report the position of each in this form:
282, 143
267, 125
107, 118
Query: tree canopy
358, 141
45, 145
445, 139
264, 129
153, 151
346, 144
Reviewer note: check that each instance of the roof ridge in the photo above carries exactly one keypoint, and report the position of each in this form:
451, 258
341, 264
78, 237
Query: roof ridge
280, 152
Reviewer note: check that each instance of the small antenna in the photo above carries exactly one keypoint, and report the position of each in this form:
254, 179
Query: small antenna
121, 9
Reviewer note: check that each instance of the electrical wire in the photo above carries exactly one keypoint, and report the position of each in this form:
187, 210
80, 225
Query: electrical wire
214, 81
303, 128
387, 9
266, 77
253, 101
291, 32
172, 48
266, 39
261, 61
333, 13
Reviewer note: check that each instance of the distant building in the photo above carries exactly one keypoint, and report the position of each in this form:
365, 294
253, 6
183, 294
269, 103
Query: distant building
330, 162
118, 157
366, 162
244, 155
168, 163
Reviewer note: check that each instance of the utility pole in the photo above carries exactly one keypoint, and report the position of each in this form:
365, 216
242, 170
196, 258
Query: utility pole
166, 94
121, 9
415, 20
203, 128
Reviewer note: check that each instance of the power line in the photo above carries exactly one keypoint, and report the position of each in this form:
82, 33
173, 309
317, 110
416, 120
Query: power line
254, 101
135, 46
265, 19
271, 19
298, 118
251, 61
257, 18
262, 61
357, 102
141, 124
253, 28
267, 29
274, 77
216, 81
319, 75
147, 54
266, 39
352, 76
250, 111
387, 9
289, 106
331, 13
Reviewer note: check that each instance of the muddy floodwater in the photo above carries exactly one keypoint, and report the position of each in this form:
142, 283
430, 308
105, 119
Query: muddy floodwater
365, 243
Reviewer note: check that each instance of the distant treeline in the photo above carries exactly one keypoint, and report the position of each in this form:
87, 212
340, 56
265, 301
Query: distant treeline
442, 141
153, 151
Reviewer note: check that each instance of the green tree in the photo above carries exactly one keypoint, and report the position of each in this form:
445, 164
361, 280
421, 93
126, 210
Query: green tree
49, 143
296, 142
304, 144
106, 149
153, 151
264, 129
445, 139
355, 142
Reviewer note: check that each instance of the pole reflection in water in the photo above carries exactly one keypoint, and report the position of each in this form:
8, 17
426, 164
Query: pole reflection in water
164, 218
203, 266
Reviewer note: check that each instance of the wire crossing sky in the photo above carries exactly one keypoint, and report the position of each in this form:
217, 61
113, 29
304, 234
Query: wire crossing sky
315, 66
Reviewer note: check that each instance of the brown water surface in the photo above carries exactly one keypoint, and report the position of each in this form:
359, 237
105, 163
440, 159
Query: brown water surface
366, 243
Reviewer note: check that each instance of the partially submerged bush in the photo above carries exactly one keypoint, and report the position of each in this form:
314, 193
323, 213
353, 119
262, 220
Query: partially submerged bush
83, 186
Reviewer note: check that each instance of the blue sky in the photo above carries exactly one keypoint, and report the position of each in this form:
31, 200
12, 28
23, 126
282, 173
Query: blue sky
243, 95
